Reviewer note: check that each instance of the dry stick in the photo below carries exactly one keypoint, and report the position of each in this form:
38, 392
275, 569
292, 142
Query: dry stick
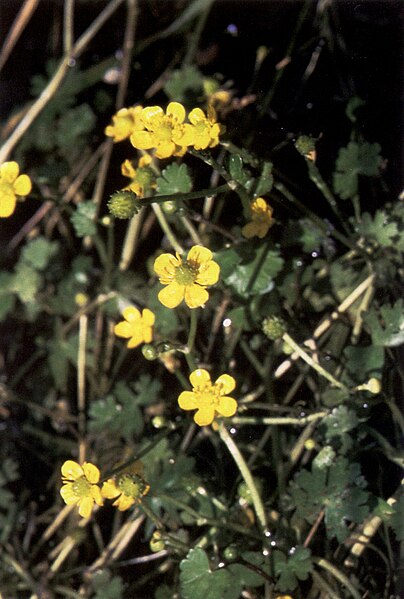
68, 26
53, 85
343, 307
81, 382
18, 26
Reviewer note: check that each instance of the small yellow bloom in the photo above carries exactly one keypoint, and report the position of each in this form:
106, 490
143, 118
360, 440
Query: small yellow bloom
12, 185
124, 123
207, 398
166, 132
261, 219
80, 486
142, 178
127, 488
137, 327
186, 280
206, 129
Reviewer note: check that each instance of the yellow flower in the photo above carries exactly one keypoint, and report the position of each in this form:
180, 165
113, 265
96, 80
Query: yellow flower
206, 129
127, 487
80, 486
12, 185
261, 219
124, 122
137, 327
166, 132
142, 178
207, 398
186, 280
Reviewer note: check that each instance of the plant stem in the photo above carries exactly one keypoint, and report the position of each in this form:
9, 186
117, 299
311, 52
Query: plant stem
281, 420
340, 576
317, 367
167, 229
246, 474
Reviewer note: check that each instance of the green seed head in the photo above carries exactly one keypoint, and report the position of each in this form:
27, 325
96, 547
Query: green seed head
123, 204
274, 327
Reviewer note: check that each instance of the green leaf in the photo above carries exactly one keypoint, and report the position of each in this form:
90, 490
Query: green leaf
83, 219
364, 362
38, 253
185, 85
397, 519
8, 474
378, 228
164, 592
265, 181
73, 127
289, 570
107, 586
175, 179
311, 237
340, 421
7, 299
237, 171
386, 324
198, 581
337, 490
356, 159
26, 282
352, 106
249, 270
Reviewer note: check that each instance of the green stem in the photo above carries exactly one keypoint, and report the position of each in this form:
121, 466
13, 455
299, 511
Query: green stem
246, 474
281, 420
167, 229
304, 356
340, 576
252, 358
196, 34
183, 197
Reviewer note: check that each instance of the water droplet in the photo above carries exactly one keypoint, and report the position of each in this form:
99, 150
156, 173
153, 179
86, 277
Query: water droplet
233, 431
232, 29
365, 405
227, 322
299, 263
292, 550
119, 54
309, 105
273, 543
267, 533
221, 565
171, 461
265, 552
314, 254
71, 62
302, 414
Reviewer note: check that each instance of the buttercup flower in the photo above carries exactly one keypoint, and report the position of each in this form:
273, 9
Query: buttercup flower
124, 122
261, 219
186, 280
166, 132
206, 129
207, 398
142, 178
12, 185
137, 327
80, 486
127, 487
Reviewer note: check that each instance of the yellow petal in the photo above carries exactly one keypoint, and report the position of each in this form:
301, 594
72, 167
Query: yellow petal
164, 267
124, 502
176, 110
7, 203
196, 115
68, 495
92, 473
124, 329
150, 113
109, 489
199, 377
131, 314
136, 338
144, 160
227, 406
208, 274
71, 470
142, 140
96, 494
199, 254
9, 171
148, 317
204, 416
22, 185
127, 169
195, 296
226, 383
86, 506
172, 295
165, 150
249, 230
187, 401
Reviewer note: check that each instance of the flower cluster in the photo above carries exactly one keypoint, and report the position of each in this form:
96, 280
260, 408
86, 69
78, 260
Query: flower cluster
207, 398
167, 133
81, 488
137, 327
186, 279
12, 186
261, 219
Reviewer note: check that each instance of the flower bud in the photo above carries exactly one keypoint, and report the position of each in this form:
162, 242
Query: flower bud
149, 352
123, 204
305, 145
274, 327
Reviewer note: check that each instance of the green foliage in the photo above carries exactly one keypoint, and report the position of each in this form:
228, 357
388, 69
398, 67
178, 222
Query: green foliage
106, 586
364, 362
337, 490
185, 85
354, 160
39, 252
198, 581
175, 179
120, 412
289, 570
397, 519
386, 324
378, 228
83, 219
237, 170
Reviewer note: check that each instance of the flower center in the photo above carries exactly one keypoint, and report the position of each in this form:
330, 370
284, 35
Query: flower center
185, 274
208, 395
81, 487
164, 132
131, 485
